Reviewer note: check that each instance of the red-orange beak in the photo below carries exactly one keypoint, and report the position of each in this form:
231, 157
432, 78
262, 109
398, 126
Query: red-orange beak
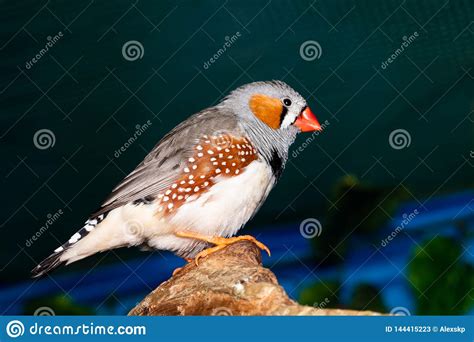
307, 122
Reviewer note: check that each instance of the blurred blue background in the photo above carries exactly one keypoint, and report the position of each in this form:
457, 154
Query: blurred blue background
376, 212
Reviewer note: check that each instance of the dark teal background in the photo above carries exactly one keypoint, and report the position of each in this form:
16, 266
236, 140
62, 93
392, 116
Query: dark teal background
94, 107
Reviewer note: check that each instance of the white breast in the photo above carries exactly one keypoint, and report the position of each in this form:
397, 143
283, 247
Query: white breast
228, 205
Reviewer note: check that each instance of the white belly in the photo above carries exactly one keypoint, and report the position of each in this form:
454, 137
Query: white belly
222, 211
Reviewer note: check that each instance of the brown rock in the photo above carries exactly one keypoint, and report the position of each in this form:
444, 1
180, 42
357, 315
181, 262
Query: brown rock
231, 281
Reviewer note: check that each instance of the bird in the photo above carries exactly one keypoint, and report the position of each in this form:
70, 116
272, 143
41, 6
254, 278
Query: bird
202, 181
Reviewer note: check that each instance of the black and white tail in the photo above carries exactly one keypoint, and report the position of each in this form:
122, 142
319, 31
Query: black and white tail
57, 258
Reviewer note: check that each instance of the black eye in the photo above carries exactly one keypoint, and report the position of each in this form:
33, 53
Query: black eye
287, 102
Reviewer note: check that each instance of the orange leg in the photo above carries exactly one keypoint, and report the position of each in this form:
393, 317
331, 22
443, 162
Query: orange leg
188, 260
220, 243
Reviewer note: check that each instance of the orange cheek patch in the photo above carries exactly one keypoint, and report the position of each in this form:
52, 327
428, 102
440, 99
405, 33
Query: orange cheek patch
266, 108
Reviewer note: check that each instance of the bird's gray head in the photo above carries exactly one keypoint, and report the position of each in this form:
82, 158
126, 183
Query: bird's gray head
272, 113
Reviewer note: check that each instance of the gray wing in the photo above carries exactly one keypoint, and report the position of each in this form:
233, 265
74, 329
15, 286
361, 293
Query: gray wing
165, 162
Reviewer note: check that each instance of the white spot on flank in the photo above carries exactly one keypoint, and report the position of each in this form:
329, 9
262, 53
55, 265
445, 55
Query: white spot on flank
166, 198
195, 167
202, 176
199, 147
180, 197
210, 151
230, 157
170, 205
75, 238
168, 192
200, 154
191, 182
218, 170
213, 159
190, 176
206, 183
174, 186
186, 169
192, 160
227, 170
196, 189
237, 172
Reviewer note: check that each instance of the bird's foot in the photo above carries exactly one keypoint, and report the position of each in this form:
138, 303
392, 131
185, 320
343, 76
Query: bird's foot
179, 269
219, 243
